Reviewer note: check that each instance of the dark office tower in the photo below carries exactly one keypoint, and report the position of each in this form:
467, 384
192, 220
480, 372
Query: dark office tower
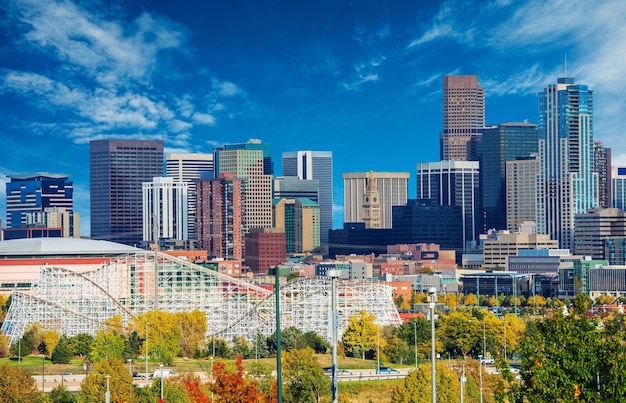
502, 143
463, 117
315, 165
424, 221
453, 183
568, 183
33, 193
292, 187
117, 170
602, 166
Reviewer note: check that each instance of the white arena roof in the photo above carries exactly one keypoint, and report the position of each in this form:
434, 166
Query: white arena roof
62, 246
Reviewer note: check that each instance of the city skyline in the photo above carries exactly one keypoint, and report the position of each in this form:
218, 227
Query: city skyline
362, 80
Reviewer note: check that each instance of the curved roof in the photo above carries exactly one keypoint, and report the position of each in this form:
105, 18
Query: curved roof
62, 246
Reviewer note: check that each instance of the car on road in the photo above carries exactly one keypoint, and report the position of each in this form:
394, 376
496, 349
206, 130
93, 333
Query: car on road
487, 361
65, 373
387, 370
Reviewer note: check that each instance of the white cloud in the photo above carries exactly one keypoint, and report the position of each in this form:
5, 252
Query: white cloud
228, 89
203, 119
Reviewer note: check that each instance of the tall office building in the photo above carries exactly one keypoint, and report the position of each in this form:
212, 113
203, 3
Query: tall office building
618, 187
118, 168
316, 165
594, 227
33, 193
463, 117
502, 143
220, 217
249, 162
253, 144
292, 187
521, 192
392, 187
187, 168
165, 210
299, 218
453, 183
568, 183
602, 166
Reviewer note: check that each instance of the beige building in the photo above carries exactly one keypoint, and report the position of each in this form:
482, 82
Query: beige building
505, 244
248, 164
300, 220
392, 188
521, 192
57, 217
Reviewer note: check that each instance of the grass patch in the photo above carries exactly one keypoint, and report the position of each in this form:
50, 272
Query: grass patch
367, 391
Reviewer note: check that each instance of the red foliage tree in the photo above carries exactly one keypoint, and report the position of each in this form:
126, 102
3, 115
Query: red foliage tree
234, 387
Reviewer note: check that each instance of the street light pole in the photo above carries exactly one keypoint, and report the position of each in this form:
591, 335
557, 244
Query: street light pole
415, 339
43, 373
146, 350
480, 365
161, 367
107, 395
432, 291
333, 274
279, 376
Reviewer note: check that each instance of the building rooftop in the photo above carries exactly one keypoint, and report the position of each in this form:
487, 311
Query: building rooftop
62, 246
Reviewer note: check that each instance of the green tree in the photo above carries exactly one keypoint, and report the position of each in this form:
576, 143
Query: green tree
16, 385
361, 336
316, 342
132, 345
108, 345
164, 334
60, 394
259, 346
121, 385
560, 359
81, 344
416, 387
304, 379
241, 347
460, 331
62, 353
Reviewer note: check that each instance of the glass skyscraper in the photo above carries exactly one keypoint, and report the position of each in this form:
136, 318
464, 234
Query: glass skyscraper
568, 184
502, 143
315, 165
118, 168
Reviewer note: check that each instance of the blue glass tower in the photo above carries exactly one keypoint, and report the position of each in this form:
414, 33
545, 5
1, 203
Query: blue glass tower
568, 184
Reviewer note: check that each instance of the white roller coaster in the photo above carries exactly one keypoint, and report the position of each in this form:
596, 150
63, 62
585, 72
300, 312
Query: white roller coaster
71, 303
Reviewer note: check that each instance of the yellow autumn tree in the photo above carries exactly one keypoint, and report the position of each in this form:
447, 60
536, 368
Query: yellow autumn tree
193, 328
361, 337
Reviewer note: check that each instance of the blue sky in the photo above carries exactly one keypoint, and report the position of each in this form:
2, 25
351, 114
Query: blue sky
360, 78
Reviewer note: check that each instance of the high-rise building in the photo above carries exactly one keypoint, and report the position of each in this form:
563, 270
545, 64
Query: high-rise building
292, 187
220, 218
165, 210
392, 187
602, 166
299, 218
187, 168
502, 143
265, 248
33, 193
463, 117
568, 183
249, 162
316, 165
453, 183
521, 191
118, 168
56, 217
618, 188
594, 227
424, 221
253, 144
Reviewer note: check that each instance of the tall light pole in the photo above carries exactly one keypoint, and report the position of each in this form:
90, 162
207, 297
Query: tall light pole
161, 367
107, 395
480, 365
279, 376
333, 274
432, 291
504, 320
146, 350
43, 373
415, 339
130, 366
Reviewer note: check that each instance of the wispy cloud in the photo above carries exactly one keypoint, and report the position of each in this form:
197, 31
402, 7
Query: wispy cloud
365, 72
101, 74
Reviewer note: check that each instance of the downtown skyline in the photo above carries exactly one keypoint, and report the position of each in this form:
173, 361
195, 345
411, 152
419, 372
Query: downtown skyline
361, 80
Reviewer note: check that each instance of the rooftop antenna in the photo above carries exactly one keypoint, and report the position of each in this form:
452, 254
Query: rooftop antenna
565, 64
